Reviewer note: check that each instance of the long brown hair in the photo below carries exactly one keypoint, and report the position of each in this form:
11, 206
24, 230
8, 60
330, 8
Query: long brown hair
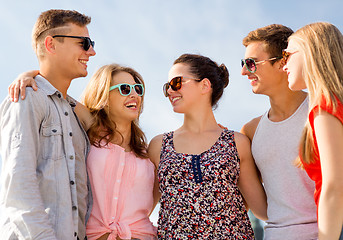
96, 98
321, 44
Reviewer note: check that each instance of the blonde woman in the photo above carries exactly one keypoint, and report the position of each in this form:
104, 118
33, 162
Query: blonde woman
314, 60
120, 173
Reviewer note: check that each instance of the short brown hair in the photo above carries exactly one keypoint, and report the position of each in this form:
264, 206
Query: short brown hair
275, 37
48, 22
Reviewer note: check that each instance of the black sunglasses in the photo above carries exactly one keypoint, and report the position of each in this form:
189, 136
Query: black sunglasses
250, 63
125, 88
86, 44
176, 84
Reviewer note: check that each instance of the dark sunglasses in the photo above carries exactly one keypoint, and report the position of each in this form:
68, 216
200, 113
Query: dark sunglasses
285, 56
86, 44
125, 88
250, 63
176, 84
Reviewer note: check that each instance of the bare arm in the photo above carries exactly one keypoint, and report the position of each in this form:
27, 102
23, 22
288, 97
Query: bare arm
154, 151
329, 134
18, 86
249, 182
249, 128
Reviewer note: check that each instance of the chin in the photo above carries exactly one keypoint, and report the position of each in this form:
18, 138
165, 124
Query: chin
84, 74
178, 110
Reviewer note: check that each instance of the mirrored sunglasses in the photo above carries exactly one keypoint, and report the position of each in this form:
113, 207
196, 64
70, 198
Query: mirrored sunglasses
125, 88
250, 63
86, 43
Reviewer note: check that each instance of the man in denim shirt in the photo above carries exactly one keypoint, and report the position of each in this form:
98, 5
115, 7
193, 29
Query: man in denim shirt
43, 146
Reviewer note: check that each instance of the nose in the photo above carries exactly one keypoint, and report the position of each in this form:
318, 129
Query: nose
91, 51
244, 71
285, 68
133, 93
169, 90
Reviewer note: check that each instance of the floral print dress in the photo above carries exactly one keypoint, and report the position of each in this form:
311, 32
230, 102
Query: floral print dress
200, 198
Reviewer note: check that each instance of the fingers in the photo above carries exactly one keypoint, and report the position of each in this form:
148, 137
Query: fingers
34, 86
18, 88
22, 89
15, 92
11, 91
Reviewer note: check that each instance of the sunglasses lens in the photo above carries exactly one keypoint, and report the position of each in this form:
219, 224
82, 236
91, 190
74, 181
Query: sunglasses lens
87, 43
250, 63
242, 63
125, 89
285, 56
139, 89
165, 89
176, 83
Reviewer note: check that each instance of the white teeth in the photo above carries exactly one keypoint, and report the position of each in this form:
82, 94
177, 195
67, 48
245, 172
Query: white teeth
254, 79
129, 105
175, 98
83, 61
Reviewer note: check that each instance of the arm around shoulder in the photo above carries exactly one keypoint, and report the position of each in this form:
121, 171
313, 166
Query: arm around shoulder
249, 182
84, 115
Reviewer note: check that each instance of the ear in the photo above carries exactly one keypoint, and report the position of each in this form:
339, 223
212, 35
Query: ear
206, 86
49, 44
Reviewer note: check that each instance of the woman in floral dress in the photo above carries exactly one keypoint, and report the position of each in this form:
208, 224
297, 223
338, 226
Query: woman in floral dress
202, 168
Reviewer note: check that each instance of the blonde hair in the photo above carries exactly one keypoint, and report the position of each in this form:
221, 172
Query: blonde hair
96, 98
322, 46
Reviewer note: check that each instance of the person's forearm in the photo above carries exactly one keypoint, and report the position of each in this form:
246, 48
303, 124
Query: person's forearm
330, 214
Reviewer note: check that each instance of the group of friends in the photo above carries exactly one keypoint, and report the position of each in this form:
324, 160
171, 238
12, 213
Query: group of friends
84, 170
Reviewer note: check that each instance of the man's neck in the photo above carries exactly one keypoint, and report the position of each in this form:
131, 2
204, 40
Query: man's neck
284, 105
60, 82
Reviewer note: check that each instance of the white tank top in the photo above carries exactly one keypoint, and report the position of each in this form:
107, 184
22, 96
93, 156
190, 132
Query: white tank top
291, 207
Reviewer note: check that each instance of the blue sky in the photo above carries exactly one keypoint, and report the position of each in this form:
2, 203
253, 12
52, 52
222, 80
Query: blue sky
148, 35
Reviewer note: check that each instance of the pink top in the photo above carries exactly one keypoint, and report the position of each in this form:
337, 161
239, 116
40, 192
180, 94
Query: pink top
122, 188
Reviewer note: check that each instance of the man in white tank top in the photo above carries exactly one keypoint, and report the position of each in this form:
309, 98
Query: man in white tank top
275, 137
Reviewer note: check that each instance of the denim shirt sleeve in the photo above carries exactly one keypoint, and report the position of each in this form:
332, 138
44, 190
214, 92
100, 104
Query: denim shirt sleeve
21, 197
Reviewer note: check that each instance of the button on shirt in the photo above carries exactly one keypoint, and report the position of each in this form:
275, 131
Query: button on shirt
122, 187
41, 160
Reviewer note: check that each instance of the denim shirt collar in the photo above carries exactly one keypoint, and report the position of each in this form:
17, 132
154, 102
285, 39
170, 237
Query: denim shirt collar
50, 90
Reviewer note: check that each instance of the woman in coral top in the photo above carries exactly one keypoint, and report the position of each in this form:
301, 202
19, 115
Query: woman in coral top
121, 175
314, 60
